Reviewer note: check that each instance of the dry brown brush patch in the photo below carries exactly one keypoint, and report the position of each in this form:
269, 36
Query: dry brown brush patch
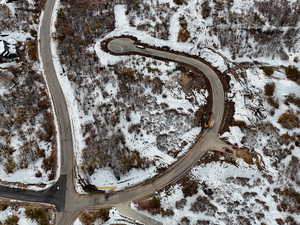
89, 217
153, 206
292, 98
269, 89
289, 120
11, 220
293, 73
268, 70
40, 215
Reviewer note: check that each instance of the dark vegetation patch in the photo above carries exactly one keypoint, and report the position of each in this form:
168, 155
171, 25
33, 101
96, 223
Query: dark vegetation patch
153, 206
11, 220
289, 120
273, 102
228, 119
290, 200
215, 156
40, 215
292, 98
268, 70
293, 74
205, 9
269, 89
180, 2
203, 205
293, 170
183, 34
189, 186
89, 217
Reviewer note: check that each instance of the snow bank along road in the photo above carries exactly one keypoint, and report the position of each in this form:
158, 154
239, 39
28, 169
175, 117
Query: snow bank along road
63, 194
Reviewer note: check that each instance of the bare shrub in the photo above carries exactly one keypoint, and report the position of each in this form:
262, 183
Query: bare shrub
289, 121
89, 217
273, 102
32, 49
10, 165
154, 207
50, 163
293, 99
202, 204
189, 186
48, 125
4, 205
269, 89
290, 200
180, 203
183, 34
40, 215
184, 221
180, 2
11, 220
206, 10
293, 73
38, 174
40, 4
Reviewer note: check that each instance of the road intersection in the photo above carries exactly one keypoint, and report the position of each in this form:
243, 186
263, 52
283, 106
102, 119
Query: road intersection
68, 202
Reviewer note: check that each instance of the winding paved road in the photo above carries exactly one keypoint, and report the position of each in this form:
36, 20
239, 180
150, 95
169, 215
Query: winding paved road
63, 194
208, 141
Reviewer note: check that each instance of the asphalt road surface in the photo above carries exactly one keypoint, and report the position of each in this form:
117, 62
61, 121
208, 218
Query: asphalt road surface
68, 202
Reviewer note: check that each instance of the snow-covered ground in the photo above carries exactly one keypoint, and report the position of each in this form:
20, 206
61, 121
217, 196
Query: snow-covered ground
27, 130
113, 215
8, 215
225, 194
18, 213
